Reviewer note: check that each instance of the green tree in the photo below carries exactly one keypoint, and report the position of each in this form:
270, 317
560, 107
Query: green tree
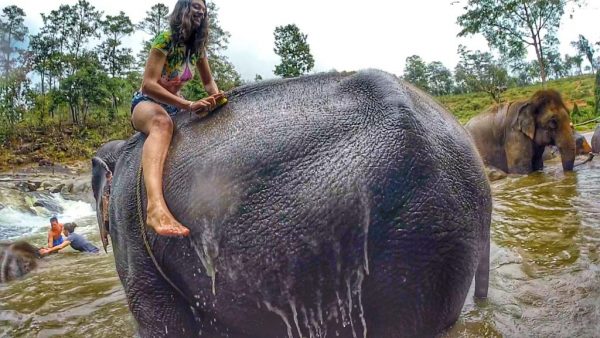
415, 72
72, 27
585, 48
554, 63
292, 47
578, 61
439, 79
41, 53
115, 59
13, 90
12, 30
479, 72
597, 94
222, 70
86, 24
85, 88
155, 22
514, 25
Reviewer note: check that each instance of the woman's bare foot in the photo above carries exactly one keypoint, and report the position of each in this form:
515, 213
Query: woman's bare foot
161, 220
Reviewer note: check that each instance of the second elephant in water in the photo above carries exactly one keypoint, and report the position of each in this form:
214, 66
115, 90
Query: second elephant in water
512, 136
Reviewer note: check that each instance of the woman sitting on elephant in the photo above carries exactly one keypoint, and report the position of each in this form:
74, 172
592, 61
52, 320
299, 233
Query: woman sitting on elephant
170, 64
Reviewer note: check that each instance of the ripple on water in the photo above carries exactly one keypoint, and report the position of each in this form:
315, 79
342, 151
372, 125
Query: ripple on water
71, 294
544, 278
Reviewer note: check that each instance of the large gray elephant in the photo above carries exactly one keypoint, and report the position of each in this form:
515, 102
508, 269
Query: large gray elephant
333, 204
512, 136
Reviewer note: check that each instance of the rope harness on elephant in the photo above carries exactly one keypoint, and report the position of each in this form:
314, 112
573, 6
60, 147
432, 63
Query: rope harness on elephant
145, 235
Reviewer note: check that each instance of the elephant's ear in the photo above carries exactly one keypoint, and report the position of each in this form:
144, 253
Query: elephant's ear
525, 120
101, 181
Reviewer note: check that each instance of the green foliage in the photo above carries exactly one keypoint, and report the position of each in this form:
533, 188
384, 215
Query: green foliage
222, 69
12, 30
415, 72
13, 99
479, 72
114, 59
439, 79
155, 22
291, 46
88, 86
585, 48
514, 25
597, 93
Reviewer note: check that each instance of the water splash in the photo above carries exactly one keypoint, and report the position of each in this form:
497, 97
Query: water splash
295, 314
283, 316
207, 262
364, 200
349, 289
359, 281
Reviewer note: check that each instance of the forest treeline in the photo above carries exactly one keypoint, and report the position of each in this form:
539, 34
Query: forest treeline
73, 78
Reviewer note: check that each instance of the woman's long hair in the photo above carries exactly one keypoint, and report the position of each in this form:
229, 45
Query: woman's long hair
182, 29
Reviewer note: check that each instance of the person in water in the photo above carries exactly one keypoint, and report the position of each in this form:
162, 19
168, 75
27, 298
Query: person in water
174, 55
76, 241
55, 233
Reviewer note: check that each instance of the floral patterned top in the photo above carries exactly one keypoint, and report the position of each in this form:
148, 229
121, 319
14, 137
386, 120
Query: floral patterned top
180, 63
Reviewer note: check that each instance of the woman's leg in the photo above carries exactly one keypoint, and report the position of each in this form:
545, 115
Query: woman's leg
152, 120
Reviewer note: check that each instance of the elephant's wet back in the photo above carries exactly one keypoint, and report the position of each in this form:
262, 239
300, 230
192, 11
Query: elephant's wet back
367, 208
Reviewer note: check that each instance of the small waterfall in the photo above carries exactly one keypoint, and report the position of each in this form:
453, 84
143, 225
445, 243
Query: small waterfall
29, 213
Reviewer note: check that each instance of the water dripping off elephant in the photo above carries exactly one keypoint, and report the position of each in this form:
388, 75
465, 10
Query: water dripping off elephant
338, 204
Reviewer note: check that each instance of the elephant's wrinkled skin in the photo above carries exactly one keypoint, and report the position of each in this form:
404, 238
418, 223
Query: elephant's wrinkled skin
512, 136
332, 203
16, 260
596, 140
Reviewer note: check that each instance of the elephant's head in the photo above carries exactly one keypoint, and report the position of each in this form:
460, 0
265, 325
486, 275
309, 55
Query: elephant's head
582, 146
18, 259
545, 120
103, 166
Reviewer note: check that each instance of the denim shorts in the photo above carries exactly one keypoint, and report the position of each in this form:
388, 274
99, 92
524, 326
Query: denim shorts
140, 97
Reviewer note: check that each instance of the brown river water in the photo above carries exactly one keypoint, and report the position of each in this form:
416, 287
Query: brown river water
544, 278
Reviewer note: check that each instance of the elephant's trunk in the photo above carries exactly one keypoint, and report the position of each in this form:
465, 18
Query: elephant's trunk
566, 147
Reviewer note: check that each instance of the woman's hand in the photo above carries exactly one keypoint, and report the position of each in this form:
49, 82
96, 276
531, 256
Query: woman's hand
206, 105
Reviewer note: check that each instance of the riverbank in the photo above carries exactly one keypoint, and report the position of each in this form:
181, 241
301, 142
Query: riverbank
56, 143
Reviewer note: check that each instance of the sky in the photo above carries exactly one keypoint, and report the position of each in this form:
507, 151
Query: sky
342, 35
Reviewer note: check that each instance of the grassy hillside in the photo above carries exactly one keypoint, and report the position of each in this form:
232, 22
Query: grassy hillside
58, 142
55, 142
575, 90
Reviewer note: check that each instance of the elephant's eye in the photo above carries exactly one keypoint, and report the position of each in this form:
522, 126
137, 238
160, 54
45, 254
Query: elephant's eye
552, 124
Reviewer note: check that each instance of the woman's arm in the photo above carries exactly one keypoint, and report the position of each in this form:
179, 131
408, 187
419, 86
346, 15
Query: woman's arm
56, 248
152, 88
206, 76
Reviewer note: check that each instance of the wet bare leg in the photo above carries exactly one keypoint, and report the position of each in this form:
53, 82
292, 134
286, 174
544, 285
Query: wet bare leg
152, 120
